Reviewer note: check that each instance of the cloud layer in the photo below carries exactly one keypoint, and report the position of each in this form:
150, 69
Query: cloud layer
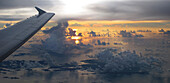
132, 10
103, 10
12, 4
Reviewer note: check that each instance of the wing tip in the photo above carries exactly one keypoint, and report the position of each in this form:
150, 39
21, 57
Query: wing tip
40, 11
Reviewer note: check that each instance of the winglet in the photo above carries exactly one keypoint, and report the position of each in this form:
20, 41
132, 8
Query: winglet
40, 11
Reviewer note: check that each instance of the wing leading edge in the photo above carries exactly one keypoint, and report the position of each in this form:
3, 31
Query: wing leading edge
15, 36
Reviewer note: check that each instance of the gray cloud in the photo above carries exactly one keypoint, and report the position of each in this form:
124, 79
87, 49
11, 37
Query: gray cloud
12, 17
105, 10
11, 10
132, 10
12, 4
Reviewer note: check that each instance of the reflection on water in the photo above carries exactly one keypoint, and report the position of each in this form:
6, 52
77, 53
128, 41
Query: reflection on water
77, 41
92, 54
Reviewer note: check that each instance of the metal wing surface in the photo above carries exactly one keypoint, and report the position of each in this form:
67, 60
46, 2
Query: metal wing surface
15, 36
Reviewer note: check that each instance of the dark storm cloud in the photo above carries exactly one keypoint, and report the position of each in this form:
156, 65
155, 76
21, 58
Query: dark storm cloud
11, 4
132, 10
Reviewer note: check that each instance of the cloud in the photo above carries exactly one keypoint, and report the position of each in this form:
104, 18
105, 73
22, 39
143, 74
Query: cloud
102, 10
12, 10
131, 10
12, 4
11, 18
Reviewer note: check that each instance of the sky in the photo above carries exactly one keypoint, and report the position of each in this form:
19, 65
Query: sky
13, 10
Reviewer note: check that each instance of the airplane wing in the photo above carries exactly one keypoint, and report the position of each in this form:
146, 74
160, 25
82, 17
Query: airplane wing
15, 36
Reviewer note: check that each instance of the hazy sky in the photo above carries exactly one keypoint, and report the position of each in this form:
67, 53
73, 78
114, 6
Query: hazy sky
88, 9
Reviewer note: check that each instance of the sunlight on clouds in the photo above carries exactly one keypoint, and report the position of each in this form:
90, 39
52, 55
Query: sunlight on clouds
9, 21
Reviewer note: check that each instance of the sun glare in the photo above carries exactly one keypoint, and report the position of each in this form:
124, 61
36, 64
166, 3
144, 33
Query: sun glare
75, 37
76, 6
